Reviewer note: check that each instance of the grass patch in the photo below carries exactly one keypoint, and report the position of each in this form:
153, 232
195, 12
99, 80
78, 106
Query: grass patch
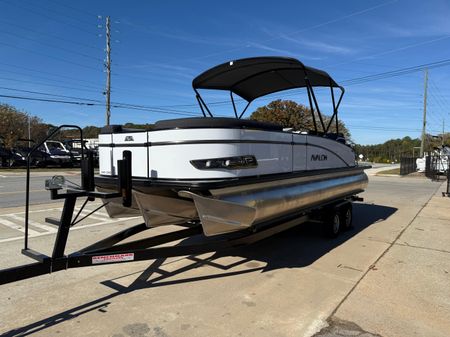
395, 171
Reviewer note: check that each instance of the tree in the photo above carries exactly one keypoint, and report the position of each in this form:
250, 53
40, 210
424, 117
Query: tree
14, 124
290, 114
390, 151
146, 126
91, 131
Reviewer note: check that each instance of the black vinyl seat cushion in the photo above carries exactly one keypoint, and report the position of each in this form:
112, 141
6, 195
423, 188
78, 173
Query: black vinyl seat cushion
214, 122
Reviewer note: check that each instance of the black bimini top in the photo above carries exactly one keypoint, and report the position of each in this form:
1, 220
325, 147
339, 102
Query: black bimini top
254, 77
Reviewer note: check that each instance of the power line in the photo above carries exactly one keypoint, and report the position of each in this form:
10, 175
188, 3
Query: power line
115, 104
48, 100
47, 94
437, 104
356, 80
45, 84
373, 77
48, 17
52, 46
50, 35
397, 72
44, 72
64, 4
113, 88
438, 92
391, 51
49, 56
48, 79
62, 14
118, 105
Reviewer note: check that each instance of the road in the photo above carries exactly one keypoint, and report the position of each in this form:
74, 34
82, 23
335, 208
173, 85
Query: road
292, 284
12, 187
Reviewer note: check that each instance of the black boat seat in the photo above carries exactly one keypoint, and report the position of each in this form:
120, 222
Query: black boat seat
197, 123
215, 122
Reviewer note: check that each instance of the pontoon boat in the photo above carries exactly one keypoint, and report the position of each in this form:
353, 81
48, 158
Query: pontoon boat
230, 174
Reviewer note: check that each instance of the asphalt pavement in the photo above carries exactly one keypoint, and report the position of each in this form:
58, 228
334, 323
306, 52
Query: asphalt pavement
12, 186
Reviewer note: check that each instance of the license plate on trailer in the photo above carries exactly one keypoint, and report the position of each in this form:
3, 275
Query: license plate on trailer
112, 258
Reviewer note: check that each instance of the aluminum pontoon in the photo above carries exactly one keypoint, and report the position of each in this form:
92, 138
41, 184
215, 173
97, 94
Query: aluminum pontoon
232, 173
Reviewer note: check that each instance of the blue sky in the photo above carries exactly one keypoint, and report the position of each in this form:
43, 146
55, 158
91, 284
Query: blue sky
57, 47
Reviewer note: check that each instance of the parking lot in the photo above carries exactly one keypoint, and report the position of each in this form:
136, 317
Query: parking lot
388, 276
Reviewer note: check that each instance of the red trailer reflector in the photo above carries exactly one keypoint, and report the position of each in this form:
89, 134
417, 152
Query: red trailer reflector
112, 258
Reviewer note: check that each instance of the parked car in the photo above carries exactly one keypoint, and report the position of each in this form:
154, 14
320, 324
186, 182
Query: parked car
50, 153
56, 153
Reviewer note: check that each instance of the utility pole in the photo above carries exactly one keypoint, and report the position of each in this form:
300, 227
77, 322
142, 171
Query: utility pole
424, 113
108, 70
443, 132
29, 132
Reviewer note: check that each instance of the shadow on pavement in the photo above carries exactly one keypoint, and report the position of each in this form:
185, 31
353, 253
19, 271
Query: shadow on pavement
294, 248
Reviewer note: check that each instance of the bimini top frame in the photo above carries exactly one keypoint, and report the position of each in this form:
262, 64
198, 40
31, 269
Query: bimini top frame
251, 78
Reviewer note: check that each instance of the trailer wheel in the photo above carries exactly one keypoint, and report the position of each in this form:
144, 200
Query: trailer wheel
332, 224
346, 215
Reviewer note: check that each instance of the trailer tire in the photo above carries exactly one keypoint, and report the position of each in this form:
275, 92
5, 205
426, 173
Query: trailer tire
346, 215
332, 224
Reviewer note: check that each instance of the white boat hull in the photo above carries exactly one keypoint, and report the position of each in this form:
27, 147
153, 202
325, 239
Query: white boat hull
290, 172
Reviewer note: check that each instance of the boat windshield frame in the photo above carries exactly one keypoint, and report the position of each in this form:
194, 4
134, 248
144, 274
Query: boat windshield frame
231, 76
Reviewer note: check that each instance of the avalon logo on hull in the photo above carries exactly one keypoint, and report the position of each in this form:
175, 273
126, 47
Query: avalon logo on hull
129, 138
319, 157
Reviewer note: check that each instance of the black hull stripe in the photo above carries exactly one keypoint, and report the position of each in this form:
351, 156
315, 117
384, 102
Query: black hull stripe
214, 183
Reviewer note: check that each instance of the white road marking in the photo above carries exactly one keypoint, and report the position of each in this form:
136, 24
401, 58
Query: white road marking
34, 211
20, 228
72, 229
18, 217
36, 224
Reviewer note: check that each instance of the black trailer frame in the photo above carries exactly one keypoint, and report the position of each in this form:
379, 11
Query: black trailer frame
111, 250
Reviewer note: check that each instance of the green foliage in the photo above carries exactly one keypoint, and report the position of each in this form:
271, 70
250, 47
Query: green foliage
139, 126
14, 125
91, 131
390, 151
290, 114
393, 149
88, 132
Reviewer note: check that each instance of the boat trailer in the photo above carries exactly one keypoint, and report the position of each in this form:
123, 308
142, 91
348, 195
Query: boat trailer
111, 250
